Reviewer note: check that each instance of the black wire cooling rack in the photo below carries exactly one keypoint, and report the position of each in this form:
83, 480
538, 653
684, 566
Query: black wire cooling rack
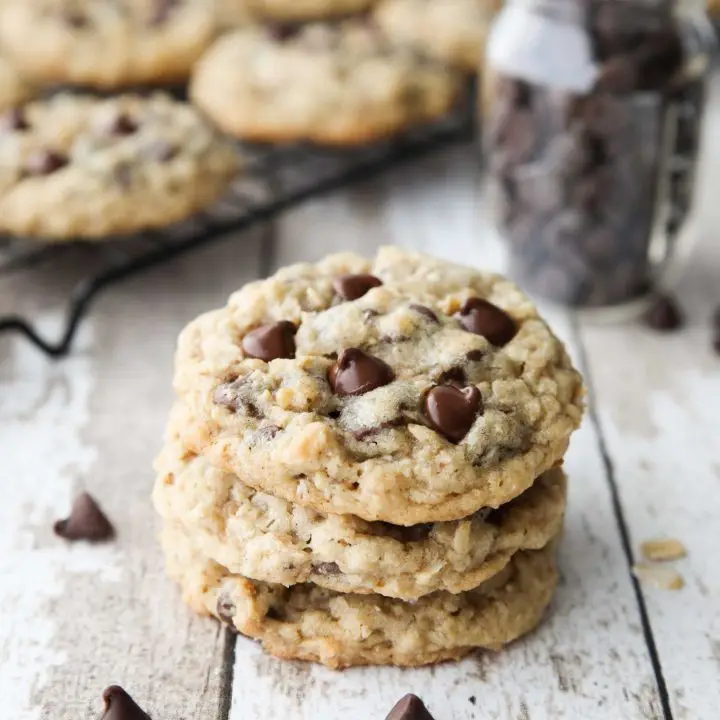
275, 179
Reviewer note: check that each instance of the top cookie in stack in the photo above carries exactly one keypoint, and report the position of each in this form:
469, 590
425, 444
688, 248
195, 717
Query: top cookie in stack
347, 430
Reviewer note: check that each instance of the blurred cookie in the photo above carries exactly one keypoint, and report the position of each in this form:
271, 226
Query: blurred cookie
340, 84
13, 89
105, 43
449, 30
80, 167
304, 10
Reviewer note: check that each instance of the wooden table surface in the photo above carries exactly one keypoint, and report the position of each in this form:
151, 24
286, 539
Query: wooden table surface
646, 463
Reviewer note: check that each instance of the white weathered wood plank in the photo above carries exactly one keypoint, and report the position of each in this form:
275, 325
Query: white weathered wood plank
76, 618
658, 400
589, 660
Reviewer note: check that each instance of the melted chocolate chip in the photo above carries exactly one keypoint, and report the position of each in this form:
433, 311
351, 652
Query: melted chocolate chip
269, 342
45, 162
326, 568
13, 120
120, 706
225, 609
452, 410
86, 522
120, 124
411, 707
483, 318
357, 372
664, 315
352, 287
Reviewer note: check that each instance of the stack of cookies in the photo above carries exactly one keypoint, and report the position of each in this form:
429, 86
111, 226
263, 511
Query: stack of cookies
363, 465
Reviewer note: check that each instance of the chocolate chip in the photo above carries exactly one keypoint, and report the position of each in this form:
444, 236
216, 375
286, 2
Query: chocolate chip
120, 706
120, 124
274, 613
452, 411
425, 312
161, 150
483, 318
352, 287
664, 314
326, 568
472, 700
238, 396
411, 707
161, 11
225, 609
13, 120
86, 522
75, 18
269, 342
45, 162
283, 31
357, 372
452, 376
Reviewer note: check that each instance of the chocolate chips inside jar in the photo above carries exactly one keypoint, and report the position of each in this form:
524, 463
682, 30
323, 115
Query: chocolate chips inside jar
592, 159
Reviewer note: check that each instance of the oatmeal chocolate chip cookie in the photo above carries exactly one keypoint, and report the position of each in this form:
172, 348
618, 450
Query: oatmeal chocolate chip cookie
339, 83
79, 167
13, 89
267, 538
305, 10
437, 392
453, 31
307, 622
106, 43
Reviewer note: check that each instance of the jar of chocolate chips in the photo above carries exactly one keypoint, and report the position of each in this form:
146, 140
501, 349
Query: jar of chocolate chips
593, 139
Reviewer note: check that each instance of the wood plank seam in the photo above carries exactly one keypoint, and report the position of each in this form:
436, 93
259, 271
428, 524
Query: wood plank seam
594, 418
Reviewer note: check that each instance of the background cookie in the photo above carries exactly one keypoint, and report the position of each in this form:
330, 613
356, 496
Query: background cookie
325, 83
13, 89
105, 43
309, 623
80, 167
303, 10
266, 538
450, 30
274, 397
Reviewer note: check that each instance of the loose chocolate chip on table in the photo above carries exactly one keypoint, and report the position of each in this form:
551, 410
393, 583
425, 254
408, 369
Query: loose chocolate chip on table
452, 410
411, 707
483, 318
352, 287
326, 568
13, 120
664, 314
357, 372
45, 162
120, 706
269, 342
425, 312
86, 522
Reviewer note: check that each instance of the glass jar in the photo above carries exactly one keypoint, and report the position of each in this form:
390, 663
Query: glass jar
593, 139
